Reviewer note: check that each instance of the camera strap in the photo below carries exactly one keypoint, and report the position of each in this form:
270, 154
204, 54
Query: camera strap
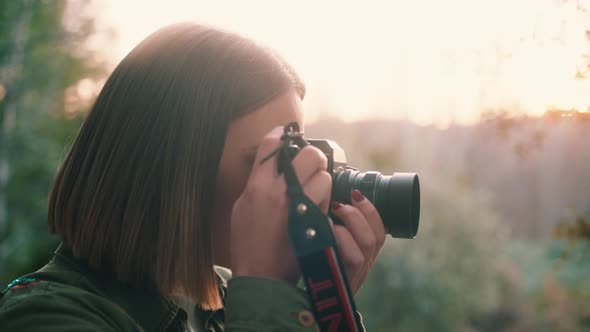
315, 246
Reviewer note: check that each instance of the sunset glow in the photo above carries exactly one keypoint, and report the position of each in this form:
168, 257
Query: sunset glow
428, 61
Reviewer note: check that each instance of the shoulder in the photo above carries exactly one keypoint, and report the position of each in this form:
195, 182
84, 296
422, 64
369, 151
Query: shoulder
37, 305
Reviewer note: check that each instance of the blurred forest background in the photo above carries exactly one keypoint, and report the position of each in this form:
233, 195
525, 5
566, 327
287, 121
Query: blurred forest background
504, 240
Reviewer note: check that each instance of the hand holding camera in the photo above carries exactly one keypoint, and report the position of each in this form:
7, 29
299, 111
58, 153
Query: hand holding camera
260, 246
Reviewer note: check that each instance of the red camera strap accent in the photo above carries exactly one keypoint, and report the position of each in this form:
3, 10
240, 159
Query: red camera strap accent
340, 285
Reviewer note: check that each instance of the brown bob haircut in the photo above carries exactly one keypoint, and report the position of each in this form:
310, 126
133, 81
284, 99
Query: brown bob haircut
134, 195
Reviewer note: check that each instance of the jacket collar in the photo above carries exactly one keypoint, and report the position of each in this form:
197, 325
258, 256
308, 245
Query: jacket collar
153, 311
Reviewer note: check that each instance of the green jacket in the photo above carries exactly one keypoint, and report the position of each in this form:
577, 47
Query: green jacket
65, 295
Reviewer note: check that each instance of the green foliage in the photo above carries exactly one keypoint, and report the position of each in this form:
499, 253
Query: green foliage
464, 273
40, 58
554, 289
445, 278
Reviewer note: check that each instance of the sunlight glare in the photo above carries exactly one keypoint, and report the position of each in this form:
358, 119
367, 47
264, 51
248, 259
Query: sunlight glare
430, 62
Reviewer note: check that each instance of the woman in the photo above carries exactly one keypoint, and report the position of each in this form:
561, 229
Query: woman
164, 185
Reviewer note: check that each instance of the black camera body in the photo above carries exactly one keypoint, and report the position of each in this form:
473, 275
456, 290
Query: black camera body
396, 197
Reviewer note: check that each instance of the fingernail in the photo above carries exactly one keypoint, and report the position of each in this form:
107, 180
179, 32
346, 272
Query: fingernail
336, 205
357, 196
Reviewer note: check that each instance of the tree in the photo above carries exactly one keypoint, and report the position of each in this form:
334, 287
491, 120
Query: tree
43, 54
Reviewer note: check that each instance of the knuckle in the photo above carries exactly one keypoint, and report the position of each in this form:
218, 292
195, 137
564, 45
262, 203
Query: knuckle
353, 213
305, 153
356, 261
326, 178
341, 234
252, 189
368, 213
323, 161
317, 156
375, 215
270, 140
371, 242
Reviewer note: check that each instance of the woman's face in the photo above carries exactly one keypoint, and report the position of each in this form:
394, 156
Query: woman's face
241, 143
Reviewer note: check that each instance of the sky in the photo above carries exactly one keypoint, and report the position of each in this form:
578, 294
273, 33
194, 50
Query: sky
432, 62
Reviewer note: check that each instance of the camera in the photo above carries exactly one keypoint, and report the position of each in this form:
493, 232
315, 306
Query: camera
396, 197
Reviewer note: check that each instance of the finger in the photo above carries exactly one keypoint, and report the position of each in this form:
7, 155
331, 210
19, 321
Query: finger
357, 225
269, 143
308, 161
351, 256
371, 215
350, 253
318, 188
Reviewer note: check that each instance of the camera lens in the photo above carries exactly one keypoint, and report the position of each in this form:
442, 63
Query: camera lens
396, 197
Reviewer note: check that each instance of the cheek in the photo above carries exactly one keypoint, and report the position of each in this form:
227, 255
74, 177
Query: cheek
230, 185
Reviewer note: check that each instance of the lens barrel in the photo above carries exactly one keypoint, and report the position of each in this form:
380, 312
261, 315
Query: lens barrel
396, 197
